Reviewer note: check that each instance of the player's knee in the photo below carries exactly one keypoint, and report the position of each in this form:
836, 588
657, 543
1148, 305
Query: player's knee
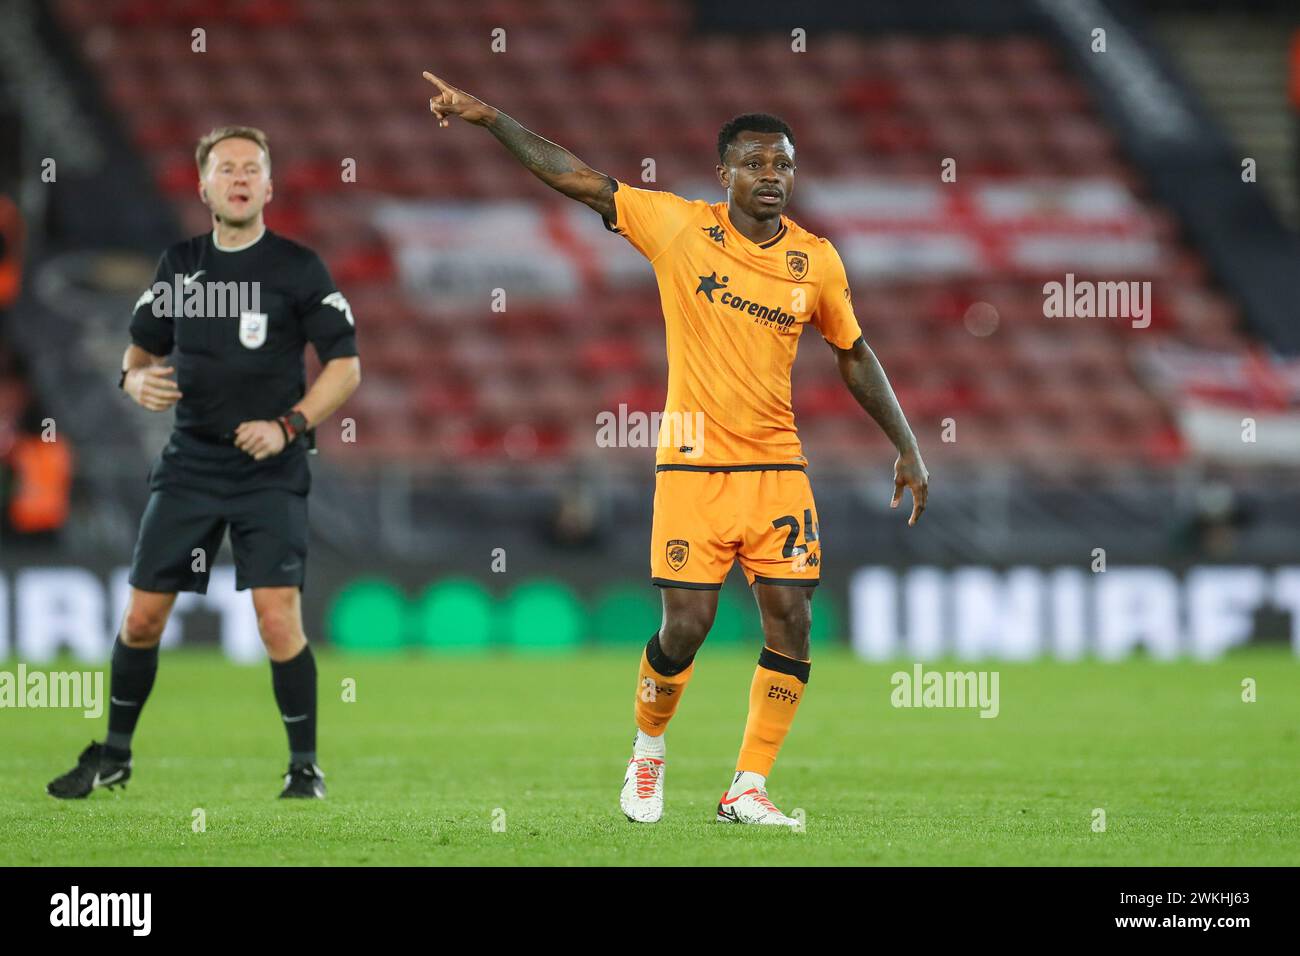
143, 626
682, 633
280, 630
787, 629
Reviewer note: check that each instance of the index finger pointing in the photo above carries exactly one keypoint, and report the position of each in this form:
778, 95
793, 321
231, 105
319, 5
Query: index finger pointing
437, 82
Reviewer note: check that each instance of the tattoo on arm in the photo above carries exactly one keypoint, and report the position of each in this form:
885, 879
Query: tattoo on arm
866, 380
555, 165
540, 155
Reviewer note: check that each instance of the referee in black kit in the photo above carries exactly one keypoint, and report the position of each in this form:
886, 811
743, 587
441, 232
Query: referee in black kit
237, 306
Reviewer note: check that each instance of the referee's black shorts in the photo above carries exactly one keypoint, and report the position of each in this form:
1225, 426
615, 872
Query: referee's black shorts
200, 490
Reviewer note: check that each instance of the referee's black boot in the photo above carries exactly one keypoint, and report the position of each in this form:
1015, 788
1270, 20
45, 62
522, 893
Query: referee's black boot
95, 768
304, 780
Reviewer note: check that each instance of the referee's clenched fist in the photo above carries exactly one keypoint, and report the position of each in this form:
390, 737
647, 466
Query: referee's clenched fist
260, 439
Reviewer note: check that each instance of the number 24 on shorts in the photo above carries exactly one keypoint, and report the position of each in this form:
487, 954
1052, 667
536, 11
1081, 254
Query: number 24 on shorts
790, 549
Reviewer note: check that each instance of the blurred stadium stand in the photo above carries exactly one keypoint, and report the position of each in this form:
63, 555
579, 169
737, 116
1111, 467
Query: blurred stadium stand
1060, 423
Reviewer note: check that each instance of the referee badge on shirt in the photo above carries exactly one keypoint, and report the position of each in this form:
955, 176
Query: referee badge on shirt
252, 329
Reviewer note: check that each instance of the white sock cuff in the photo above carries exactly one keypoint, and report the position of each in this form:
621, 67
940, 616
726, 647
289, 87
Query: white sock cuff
746, 780
647, 746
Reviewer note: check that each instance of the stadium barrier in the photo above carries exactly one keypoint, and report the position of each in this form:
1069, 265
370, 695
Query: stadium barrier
882, 612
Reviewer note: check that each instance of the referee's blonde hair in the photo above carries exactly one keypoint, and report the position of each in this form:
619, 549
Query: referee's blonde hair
204, 149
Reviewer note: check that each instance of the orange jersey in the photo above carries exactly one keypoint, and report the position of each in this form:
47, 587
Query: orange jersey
733, 312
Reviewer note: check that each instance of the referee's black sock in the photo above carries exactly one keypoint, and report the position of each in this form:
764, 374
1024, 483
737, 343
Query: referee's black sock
294, 682
131, 678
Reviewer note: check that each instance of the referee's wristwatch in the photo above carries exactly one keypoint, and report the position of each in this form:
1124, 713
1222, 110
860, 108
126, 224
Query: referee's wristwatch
293, 425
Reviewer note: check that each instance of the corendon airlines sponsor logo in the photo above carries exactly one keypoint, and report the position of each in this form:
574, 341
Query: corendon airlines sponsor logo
771, 316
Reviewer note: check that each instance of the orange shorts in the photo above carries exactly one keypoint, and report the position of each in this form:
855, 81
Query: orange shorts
704, 520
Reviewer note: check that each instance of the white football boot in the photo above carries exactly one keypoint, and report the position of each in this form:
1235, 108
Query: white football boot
642, 798
752, 806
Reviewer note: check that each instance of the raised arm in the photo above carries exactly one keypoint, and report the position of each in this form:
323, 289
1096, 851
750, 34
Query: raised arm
552, 164
865, 378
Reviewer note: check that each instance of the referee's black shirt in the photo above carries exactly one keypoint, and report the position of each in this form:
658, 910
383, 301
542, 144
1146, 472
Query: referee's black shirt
240, 358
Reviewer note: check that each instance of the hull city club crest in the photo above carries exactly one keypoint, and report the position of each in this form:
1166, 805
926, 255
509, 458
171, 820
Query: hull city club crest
678, 553
252, 329
797, 263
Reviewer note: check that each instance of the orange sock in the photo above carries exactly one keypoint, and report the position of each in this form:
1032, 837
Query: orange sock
660, 683
774, 696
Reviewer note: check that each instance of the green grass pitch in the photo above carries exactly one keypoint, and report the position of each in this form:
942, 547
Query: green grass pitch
435, 751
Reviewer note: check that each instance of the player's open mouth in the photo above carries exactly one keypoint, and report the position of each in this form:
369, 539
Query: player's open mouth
769, 196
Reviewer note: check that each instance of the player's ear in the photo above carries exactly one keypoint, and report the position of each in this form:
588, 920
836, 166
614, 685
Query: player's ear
724, 176
203, 192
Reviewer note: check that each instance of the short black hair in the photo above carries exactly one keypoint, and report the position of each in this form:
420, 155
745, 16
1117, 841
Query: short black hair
751, 123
